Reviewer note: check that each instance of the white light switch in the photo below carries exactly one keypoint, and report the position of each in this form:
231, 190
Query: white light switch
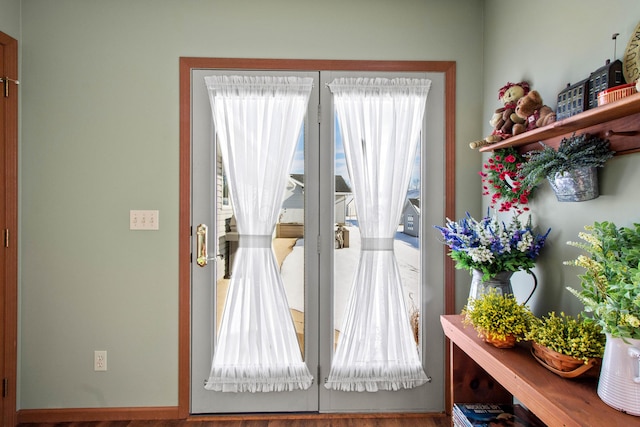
144, 220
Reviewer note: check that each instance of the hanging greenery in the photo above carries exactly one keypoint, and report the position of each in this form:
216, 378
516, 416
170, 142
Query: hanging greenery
574, 152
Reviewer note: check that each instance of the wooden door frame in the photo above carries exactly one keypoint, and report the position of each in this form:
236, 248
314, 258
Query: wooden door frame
9, 220
184, 230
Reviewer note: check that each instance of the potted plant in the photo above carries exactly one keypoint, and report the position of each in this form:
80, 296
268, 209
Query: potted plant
571, 169
610, 292
499, 319
566, 345
492, 250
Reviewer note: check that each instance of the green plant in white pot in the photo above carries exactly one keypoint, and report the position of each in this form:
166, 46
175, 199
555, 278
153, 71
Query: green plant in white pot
571, 169
610, 292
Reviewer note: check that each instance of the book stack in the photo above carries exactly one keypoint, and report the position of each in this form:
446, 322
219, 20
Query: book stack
490, 415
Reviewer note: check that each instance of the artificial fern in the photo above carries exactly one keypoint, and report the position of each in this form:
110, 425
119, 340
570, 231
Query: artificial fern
574, 152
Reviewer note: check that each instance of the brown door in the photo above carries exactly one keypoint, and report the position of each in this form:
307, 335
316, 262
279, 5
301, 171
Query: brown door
9, 226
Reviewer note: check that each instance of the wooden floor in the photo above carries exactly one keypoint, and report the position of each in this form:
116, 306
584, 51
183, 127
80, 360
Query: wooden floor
410, 420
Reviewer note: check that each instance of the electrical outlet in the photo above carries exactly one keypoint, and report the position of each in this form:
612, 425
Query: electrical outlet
100, 360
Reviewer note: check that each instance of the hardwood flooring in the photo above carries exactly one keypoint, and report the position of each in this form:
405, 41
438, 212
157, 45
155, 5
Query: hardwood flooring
409, 420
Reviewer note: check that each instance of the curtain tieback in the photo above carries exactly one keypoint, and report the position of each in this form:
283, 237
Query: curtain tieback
255, 240
377, 243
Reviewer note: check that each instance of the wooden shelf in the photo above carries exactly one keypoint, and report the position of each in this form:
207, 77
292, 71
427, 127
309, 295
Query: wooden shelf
619, 116
481, 373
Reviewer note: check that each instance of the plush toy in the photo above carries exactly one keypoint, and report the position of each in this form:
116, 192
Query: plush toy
502, 120
531, 113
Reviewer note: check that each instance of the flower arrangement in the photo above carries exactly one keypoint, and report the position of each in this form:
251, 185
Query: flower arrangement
502, 178
568, 335
575, 152
611, 283
492, 246
498, 316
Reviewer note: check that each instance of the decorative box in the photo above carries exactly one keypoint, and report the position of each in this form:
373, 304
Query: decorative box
572, 100
603, 78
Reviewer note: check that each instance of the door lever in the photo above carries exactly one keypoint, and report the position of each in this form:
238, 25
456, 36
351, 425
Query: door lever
201, 246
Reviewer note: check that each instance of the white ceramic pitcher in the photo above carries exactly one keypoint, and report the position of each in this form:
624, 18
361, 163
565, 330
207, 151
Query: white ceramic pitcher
619, 384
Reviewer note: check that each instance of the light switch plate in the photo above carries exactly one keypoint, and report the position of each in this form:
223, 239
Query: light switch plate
144, 220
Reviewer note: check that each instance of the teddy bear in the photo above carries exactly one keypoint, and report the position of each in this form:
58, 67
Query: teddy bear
531, 113
502, 119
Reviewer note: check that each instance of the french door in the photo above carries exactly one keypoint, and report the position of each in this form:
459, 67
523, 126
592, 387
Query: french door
316, 243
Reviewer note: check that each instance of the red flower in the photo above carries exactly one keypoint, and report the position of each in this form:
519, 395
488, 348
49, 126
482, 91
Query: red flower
502, 180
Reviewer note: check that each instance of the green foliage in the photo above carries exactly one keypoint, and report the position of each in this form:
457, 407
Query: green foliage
500, 315
573, 153
571, 336
611, 283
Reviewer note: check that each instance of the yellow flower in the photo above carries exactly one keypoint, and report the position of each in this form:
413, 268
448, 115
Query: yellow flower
591, 239
630, 320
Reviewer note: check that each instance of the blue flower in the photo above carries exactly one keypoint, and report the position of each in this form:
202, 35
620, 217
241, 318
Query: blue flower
491, 245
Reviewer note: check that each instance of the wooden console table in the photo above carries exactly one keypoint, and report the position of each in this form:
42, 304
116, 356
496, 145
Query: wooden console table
481, 373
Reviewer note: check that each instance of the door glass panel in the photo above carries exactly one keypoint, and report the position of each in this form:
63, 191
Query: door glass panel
211, 205
226, 237
347, 240
288, 240
288, 243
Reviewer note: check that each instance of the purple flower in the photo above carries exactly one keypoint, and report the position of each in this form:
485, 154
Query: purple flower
491, 245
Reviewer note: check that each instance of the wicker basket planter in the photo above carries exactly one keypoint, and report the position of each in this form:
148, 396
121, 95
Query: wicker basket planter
508, 342
560, 364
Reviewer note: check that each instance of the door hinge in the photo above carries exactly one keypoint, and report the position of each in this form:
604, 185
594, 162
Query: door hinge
318, 244
6, 237
5, 387
319, 113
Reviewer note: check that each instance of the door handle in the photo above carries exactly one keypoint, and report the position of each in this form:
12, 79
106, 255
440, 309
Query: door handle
202, 256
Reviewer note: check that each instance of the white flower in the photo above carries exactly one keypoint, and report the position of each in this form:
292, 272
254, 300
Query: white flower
481, 254
525, 243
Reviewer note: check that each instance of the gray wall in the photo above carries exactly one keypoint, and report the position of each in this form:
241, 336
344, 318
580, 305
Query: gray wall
10, 18
100, 137
576, 40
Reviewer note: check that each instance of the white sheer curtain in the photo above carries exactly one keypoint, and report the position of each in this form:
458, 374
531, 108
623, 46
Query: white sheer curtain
380, 122
258, 121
